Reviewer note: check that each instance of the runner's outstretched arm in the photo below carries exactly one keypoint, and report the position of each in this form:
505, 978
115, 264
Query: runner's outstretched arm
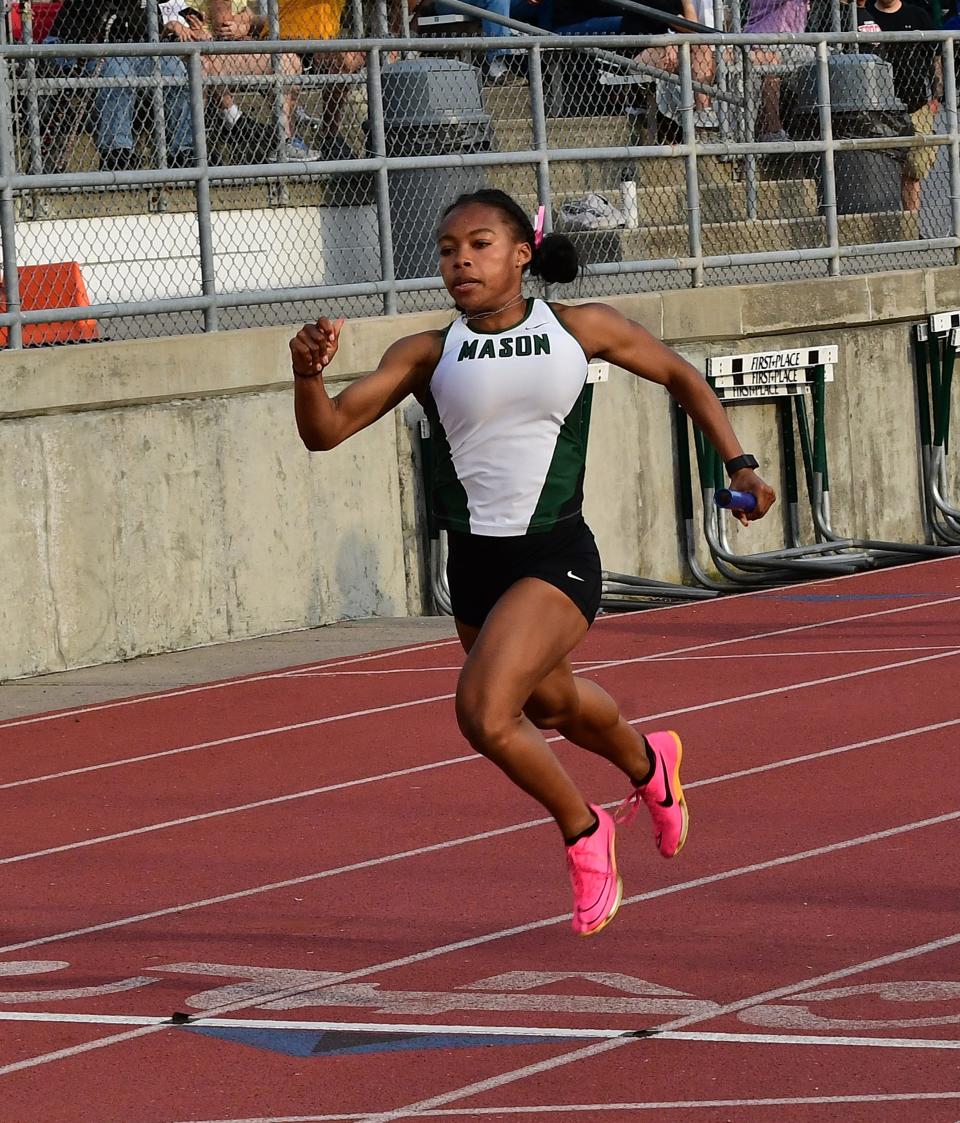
324, 422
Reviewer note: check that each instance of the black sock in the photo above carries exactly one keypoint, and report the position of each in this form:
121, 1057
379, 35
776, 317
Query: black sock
652, 760
584, 833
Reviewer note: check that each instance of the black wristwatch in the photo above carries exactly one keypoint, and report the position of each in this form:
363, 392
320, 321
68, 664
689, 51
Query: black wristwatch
738, 462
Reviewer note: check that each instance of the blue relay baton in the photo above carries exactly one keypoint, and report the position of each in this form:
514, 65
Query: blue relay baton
731, 500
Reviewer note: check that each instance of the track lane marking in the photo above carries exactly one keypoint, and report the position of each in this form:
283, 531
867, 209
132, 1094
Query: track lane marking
707, 781
430, 1028
243, 680
566, 1058
588, 1051
576, 664
332, 718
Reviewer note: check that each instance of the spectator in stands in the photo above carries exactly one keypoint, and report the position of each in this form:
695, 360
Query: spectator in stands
702, 60
306, 19
498, 60
125, 21
236, 20
917, 80
775, 17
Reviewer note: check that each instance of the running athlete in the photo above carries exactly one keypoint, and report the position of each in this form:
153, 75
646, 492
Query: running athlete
505, 388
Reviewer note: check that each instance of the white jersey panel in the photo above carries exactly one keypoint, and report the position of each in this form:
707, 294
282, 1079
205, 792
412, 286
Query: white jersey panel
502, 399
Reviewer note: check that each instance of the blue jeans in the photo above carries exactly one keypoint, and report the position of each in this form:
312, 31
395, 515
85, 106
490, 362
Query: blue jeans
115, 106
488, 28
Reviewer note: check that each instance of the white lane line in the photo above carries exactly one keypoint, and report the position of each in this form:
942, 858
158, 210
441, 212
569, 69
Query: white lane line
807, 1039
341, 1027
596, 1049
239, 738
376, 674
792, 630
460, 945
770, 766
782, 654
583, 1111
431, 1029
593, 665
272, 730
202, 816
754, 695
139, 699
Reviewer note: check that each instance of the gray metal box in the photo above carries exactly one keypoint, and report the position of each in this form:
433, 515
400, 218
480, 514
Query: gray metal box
858, 83
431, 91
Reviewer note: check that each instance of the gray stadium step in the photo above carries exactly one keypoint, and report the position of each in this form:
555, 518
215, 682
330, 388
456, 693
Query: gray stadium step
753, 236
719, 202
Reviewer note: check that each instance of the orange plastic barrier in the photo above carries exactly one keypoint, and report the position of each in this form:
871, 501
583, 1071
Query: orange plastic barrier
57, 285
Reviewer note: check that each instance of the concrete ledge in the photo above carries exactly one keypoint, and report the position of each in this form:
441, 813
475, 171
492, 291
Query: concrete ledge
151, 371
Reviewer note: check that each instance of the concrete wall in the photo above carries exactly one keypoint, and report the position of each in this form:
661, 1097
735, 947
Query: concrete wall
154, 494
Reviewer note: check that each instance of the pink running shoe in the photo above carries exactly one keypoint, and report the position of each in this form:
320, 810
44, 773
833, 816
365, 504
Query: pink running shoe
662, 794
597, 887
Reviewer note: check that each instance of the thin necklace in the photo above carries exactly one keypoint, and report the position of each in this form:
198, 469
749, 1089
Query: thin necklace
494, 311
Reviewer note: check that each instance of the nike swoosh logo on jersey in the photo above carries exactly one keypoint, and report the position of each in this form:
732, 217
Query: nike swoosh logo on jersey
668, 802
573, 575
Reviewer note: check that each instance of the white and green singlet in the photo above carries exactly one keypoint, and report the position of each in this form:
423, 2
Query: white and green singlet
509, 412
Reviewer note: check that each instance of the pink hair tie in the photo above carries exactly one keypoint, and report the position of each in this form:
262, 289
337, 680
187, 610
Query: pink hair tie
538, 226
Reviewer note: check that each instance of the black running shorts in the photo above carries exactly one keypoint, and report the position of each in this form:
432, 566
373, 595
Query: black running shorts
481, 568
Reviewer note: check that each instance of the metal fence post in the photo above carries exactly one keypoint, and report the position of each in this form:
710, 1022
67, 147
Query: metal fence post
380, 20
33, 102
750, 173
827, 171
208, 275
950, 102
356, 13
156, 97
538, 120
276, 69
694, 242
379, 144
8, 220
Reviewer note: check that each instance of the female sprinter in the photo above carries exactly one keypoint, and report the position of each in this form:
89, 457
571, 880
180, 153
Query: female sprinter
505, 389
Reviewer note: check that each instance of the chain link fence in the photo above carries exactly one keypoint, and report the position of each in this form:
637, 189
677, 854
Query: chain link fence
200, 166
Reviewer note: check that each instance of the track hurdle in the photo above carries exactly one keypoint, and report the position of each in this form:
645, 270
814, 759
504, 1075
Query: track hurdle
935, 347
794, 381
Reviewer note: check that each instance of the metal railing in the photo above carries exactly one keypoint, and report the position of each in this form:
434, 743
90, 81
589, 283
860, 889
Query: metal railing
231, 235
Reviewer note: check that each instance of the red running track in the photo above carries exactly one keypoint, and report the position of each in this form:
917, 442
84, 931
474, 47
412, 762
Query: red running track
365, 921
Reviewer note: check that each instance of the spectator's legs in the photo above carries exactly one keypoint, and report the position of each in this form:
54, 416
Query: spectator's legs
919, 161
176, 109
490, 28
115, 112
664, 58
114, 107
332, 144
703, 63
910, 192
769, 124
225, 65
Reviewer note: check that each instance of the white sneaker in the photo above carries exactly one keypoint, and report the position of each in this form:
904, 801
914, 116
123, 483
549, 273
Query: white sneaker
593, 212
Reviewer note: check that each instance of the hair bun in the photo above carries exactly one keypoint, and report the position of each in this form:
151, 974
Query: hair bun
556, 260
